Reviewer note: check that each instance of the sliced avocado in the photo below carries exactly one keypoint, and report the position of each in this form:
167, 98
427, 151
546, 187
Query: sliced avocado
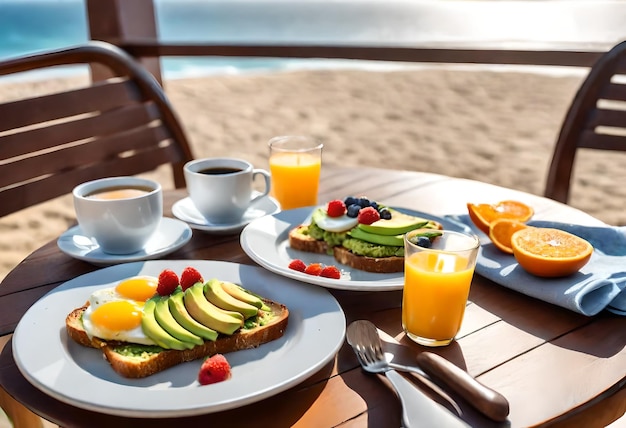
182, 316
215, 294
241, 294
363, 248
207, 313
390, 240
168, 322
154, 331
399, 224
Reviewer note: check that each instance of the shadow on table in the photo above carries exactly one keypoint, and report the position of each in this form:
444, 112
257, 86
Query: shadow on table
287, 410
602, 335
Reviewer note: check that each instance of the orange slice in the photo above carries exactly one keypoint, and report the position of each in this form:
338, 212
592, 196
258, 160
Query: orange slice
501, 231
483, 214
550, 252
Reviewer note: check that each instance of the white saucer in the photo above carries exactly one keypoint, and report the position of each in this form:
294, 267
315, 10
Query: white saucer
187, 211
171, 235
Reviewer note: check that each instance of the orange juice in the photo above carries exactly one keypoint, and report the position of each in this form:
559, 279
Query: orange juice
295, 178
436, 288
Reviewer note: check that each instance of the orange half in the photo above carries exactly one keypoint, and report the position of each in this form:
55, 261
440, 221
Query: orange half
501, 231
550, 252
483, 214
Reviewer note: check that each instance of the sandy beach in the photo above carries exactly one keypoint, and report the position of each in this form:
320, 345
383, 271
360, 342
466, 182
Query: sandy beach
499, 127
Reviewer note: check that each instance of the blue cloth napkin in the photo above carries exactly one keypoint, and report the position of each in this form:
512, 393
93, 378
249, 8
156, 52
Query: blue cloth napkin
599, 285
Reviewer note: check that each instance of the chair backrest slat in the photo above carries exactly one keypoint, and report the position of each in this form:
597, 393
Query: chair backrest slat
102, 96
592, 140
41, 190
613, 91
606, 117
596, 119
35, 139
138, 144
122, 126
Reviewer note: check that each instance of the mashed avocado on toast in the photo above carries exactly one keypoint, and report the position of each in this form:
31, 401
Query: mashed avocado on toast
180, 320
331, 238
362, 248
376, 246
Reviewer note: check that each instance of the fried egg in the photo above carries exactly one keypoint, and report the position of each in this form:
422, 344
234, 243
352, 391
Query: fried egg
334, 224
115, 313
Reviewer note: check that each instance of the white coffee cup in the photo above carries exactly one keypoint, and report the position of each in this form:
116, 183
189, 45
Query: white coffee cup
120, 213
221, 188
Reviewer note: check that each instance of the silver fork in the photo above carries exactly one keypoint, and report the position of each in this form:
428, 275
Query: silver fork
436, 368
417, 408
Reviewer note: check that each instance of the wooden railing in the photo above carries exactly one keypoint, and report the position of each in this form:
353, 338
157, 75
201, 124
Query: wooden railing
131, 25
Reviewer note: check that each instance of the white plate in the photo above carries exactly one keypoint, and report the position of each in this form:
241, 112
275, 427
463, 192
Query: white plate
171, 235
266, 241
187, 211
81, 377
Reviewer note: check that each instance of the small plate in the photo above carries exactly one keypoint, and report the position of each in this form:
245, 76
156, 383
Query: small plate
186, 211
266, 241
171, 235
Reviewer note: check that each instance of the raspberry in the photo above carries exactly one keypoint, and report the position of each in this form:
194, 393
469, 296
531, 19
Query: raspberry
336, 208
368, 215
298, 265
168, 281
314, 269
189, 277
331, 272
214, 369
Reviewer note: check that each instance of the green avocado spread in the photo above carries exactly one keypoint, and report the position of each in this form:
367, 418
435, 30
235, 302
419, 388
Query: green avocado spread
263, 318
363, 248
132, 350
333, 239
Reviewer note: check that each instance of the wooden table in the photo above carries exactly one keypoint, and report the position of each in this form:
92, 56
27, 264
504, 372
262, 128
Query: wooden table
554, 366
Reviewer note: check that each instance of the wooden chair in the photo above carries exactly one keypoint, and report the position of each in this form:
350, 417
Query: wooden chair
595, 120
124, 125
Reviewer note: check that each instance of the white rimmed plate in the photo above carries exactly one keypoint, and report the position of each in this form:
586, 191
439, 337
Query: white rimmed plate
266, 241
186, 211
171, 235
80, 376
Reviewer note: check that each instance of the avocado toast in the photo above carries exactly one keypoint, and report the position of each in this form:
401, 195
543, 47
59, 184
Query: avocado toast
367, 241
182, 325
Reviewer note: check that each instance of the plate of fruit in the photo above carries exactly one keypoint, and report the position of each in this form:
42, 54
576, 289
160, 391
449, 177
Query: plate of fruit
350, 244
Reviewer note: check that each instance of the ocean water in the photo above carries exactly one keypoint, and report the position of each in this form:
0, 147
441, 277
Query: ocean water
28, 26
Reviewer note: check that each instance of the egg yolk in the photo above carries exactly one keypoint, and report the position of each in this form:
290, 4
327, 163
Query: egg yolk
139, 288
117, 316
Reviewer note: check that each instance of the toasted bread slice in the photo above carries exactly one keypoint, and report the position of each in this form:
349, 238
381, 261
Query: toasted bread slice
153, 359
369, 264
299, 239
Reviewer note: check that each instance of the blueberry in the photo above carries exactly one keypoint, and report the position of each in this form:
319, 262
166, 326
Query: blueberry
423, 241
364, 202
351, 200
374, 205
385, 214
353, 210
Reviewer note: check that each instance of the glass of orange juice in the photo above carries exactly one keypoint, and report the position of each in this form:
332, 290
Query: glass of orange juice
295, 165
438, 270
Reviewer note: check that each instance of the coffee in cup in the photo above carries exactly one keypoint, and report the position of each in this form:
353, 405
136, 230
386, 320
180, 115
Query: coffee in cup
221, 188
120, 213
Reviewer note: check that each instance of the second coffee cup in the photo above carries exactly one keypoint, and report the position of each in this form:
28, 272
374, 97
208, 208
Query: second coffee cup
222, 188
